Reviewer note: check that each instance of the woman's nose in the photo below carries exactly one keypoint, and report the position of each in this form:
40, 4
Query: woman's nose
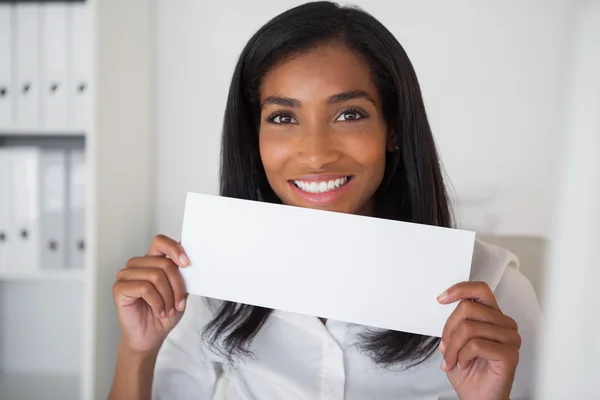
317, 150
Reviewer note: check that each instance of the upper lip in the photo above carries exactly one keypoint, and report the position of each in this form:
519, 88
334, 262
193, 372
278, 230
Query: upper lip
320, 177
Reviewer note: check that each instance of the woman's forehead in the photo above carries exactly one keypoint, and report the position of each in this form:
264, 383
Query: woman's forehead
318, 74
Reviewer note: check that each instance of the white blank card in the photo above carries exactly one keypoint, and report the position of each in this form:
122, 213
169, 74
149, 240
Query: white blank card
369, 271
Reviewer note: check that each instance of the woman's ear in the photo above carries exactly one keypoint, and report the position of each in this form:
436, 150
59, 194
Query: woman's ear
392, 142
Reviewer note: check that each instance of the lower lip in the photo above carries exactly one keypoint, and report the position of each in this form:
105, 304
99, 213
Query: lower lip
320, 198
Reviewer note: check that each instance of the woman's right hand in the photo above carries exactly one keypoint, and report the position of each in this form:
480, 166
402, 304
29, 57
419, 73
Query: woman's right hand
150, 295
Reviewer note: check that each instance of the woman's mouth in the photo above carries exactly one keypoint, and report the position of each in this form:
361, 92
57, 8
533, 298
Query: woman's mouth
324, 186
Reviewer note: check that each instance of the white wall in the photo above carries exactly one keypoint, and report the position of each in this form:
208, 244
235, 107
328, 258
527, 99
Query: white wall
491, 73
571, 292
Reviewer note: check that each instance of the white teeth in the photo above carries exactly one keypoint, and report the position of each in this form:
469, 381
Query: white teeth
321, 187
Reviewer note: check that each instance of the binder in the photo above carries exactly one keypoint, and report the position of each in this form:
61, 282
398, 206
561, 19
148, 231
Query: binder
6, 60
24, 252
27, 52
53, 201
5, 208
53, 22
80, 64
77, 175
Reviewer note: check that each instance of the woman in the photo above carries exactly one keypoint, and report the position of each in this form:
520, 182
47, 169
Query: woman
325, 111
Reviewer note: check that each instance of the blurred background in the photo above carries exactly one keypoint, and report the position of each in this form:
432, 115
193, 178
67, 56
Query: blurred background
111, 111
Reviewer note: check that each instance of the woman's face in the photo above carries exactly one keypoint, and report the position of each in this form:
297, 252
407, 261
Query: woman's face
323, 138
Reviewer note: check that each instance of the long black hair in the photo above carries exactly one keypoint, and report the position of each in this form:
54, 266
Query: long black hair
412, 189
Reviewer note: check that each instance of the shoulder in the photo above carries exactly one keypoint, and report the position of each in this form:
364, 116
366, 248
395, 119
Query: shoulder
199, 312
204, 308
184, 365
500, 269
186, 340
515, 295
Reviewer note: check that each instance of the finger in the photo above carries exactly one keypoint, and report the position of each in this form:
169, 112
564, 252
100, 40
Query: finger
476, 291
126, 293
171, 271
469, 310
490, 351
162, 245
469, 330
159, 280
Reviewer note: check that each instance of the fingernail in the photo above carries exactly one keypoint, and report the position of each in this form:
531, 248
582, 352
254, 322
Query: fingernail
181, 305
444, 365
442, 347
183, 260
458, 365
162, 314
172, 312
442, 297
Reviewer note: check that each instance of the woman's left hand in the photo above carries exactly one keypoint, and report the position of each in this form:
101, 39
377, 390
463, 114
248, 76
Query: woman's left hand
479, 343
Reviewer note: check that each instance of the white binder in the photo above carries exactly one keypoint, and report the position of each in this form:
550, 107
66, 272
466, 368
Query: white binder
80, 64
53, 22
27, 65
25, 194
5, 208
6, 60
53, 201
76, 239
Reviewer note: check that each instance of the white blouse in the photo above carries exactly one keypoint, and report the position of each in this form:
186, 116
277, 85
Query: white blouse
297, 357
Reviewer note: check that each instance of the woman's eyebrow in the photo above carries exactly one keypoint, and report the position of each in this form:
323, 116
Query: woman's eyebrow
333, 99
349, 95
282, 101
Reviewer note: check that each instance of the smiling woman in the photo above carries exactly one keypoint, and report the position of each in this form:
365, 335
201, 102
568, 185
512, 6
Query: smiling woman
325, 111
326, 94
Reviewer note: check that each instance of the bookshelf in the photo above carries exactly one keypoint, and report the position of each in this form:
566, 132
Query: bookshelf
66, 275
58, 328
50, 133
20, 386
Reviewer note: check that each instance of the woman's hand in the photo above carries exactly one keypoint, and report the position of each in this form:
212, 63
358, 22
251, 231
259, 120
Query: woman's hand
150, 295
479, 343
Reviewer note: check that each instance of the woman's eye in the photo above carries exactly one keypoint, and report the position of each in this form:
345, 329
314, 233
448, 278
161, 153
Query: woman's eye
349, 116
283, 119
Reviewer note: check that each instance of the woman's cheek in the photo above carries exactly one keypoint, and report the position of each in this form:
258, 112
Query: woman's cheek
367, 148
274, 152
